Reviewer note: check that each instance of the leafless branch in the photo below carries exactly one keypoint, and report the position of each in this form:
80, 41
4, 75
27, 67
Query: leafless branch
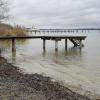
3, 10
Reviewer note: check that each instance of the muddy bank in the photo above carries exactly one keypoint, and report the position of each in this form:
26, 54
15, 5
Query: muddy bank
16, 85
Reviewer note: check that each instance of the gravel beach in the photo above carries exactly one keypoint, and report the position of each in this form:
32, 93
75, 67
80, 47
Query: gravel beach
17, 85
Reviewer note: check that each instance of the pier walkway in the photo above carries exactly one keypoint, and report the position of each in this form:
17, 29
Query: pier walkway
63, 30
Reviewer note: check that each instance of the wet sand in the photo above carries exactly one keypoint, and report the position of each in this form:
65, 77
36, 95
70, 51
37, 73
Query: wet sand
17, 85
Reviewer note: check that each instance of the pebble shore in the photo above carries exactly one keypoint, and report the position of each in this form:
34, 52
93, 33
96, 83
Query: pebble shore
16, 85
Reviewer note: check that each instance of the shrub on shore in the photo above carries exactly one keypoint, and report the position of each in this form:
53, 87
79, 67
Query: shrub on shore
8, 30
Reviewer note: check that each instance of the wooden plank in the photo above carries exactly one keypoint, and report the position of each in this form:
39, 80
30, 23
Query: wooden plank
35, 37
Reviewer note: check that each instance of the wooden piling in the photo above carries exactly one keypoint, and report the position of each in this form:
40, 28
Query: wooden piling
66, 44
44, 44
56, 45
81, 43
13, 45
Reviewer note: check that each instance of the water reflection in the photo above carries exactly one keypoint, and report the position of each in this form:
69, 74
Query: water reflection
14, 56
7, 43
4, 44
62, 56
74, 51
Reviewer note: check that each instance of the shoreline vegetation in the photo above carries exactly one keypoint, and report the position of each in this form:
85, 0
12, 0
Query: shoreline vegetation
8, 30
17, 85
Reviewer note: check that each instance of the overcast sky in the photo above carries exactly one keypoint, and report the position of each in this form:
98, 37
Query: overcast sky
55, 13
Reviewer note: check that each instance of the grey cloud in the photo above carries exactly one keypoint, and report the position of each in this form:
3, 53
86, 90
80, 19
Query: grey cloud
56, 13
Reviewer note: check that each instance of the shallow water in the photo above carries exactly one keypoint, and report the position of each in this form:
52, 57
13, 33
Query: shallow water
77, 68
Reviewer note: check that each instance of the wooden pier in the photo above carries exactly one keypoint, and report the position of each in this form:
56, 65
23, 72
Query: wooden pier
76, 40
62, 30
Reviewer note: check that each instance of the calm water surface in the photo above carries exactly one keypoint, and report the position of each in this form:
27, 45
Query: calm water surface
77, 68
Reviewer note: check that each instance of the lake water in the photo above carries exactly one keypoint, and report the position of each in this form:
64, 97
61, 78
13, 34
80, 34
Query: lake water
78, 69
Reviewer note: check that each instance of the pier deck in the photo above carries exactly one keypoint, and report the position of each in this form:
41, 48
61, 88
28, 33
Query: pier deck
37, 37
76, 40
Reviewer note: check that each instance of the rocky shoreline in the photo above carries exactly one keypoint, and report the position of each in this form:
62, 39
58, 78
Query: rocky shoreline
16, 85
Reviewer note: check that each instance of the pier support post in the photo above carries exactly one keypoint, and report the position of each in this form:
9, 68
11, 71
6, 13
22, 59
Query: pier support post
81, 43
44, 42
13, 45
66, 43
56, 45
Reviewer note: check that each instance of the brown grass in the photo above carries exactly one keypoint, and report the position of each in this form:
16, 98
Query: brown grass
7, 30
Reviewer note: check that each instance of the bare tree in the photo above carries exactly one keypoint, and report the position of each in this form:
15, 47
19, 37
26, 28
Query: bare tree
3, 10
